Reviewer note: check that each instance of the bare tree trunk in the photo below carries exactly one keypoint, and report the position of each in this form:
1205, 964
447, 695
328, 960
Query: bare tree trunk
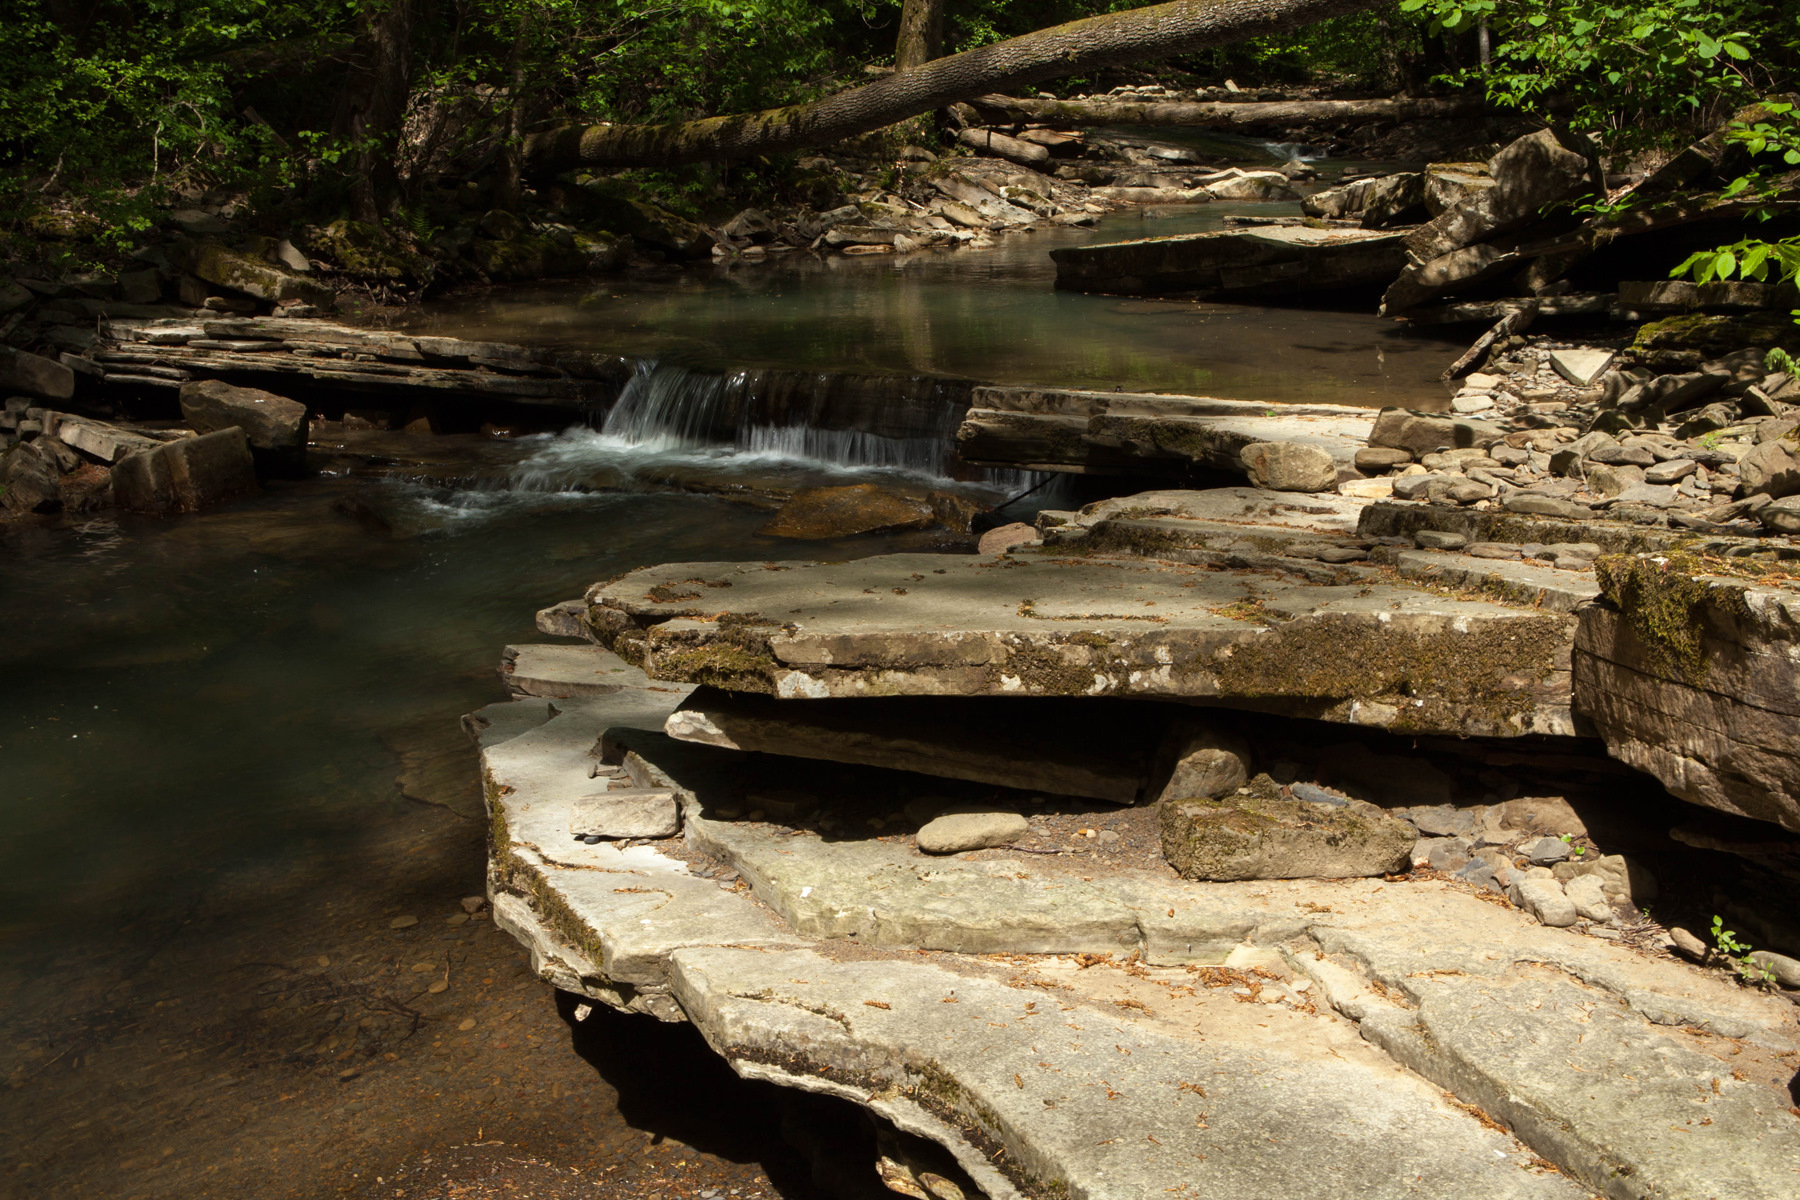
921, 33
508, 185
1221, 114
1159, 31
374, 103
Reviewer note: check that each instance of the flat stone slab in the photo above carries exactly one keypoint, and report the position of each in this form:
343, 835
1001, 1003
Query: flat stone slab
559, 672
1037, 624
1087, 432
1517, 582
1316, 1054
1235, 263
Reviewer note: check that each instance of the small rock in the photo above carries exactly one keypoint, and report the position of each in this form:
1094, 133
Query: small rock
473, 904
1443, 820
1688, 946
1492, 550
1785, 970
1479, 872
1439, 539
403, 922
1673, 471
1381, 458
1005, 537
1449, 854
1580, 366
1545, 850
1471, 402
958, 831
1588, 895
466, 1024
1543, 898
1312, 793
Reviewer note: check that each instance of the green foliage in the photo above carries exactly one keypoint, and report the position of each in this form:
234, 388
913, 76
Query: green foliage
1641, 71
1738, 954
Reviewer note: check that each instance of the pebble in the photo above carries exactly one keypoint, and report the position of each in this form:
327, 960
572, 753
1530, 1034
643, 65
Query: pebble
457, 919
1312, 793
954, 832
467, 1024
403, 922
438, 986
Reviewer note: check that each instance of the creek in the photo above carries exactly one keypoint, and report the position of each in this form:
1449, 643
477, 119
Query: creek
232, 767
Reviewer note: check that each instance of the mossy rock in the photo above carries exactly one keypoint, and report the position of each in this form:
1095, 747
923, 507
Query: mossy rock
521, 258
364, 251
1258, 834
1666, 602
598, 209
1712, 336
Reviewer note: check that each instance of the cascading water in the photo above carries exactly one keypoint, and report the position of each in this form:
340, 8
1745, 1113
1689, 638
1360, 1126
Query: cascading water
905, 422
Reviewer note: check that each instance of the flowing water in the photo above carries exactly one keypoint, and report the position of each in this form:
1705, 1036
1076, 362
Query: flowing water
240, 816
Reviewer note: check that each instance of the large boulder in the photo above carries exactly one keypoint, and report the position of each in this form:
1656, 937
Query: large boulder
1422, 433
275, 425
30, 480
186, 475
35, 374
1533, 173
1772, 468
1447, 185
1258, 834
1290, 467
223, 267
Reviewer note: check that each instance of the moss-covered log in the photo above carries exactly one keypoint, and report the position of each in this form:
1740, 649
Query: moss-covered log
1159, 31
1223, 114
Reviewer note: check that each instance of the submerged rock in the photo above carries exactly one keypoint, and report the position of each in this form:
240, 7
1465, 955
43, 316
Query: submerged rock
819, 513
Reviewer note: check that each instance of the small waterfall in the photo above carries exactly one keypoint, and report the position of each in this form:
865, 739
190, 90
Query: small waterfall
897, 422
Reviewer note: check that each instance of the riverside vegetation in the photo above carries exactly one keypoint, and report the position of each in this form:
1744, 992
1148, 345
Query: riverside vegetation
1025, 789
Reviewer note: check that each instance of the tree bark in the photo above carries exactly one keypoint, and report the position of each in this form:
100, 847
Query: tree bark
374, 103
1159, 31
509, 183
921, 33
1221, 114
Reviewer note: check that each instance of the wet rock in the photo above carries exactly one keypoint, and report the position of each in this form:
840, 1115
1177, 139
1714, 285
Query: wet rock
1543, 898
1255, 185
818, 513
35, 375
954, 832
186, 475
1290, 467
31, 480
1003, 538
275, 425
1250, 837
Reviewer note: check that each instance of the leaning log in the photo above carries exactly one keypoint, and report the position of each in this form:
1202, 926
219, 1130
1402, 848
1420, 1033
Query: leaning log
1112, 39
1221, 114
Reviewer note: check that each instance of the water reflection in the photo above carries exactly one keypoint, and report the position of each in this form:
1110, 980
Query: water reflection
991, 316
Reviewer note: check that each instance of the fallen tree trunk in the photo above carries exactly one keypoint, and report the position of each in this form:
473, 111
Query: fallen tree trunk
1160, 31
1221, 114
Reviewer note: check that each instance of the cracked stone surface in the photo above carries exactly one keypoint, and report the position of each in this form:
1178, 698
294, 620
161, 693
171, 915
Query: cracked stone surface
1373, 653
1318, 1024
